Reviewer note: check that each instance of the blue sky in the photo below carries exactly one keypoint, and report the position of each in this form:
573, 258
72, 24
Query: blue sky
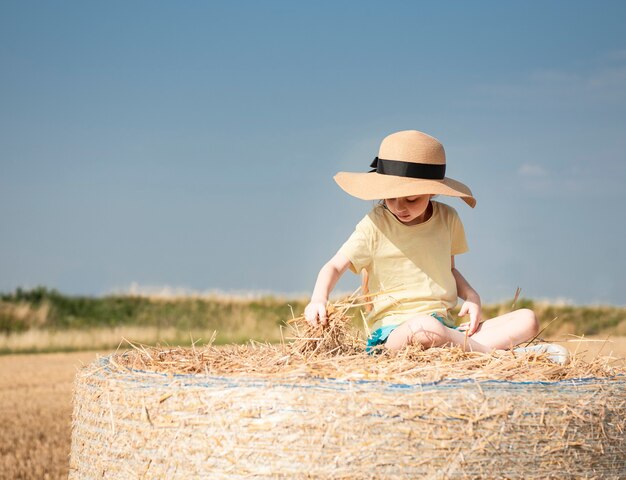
193, 144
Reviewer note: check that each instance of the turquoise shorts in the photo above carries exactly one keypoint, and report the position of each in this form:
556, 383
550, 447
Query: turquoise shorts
380, 335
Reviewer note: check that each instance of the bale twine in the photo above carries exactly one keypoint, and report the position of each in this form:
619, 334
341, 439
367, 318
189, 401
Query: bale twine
139, 424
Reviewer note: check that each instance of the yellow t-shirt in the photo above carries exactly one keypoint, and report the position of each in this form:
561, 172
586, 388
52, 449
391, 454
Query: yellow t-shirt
409, 266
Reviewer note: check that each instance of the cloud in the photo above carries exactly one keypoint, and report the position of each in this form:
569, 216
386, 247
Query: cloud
615, 55
573, 181
529, 170
169, 292
608, 77
593, 84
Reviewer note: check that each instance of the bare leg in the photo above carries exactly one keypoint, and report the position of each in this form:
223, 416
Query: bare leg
508, 330
430, 332
503, 332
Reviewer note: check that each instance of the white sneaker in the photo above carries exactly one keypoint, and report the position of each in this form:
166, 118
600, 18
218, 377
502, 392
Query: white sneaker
556, 353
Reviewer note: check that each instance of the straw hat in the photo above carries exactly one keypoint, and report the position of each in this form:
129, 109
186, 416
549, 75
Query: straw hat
408, 163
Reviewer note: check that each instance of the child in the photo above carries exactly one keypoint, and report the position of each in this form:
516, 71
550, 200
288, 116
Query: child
406, 245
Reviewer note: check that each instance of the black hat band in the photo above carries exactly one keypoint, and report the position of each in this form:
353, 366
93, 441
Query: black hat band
408, 169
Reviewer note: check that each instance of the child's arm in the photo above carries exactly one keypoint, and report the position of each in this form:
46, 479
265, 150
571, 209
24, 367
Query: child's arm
326, 281
472, 300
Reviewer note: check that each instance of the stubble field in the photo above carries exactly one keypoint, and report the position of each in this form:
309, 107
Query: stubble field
36, 408
35, 413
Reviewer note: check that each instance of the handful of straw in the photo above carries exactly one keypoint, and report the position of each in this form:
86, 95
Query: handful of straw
337, 337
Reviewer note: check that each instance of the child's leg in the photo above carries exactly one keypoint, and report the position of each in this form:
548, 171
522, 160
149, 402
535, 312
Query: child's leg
430, 332
499, 333
508, 330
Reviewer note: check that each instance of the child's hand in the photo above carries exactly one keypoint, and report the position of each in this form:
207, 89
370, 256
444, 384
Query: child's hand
315, 313
475, 314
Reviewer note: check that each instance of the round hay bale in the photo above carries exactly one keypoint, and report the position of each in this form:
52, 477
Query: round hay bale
129, 423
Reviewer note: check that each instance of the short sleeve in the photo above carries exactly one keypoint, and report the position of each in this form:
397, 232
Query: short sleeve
458, 241
359, 247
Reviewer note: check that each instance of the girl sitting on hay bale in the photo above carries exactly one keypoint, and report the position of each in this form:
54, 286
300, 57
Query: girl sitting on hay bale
406, 246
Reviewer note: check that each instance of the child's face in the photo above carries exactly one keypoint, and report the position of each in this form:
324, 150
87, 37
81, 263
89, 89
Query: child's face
409, 210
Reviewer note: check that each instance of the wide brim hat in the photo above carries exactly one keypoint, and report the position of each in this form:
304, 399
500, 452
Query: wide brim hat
408, 163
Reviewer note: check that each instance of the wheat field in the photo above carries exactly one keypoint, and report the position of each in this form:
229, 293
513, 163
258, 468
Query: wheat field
35, 411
